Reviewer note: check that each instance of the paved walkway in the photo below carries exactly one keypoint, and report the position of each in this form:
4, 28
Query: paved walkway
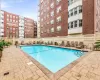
87, 69
15, 62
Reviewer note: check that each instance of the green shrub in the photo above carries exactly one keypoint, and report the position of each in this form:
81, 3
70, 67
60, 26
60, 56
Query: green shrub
97, 45
1, 46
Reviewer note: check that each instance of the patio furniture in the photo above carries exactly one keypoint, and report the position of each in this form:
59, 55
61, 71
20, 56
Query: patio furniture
75, 44
72, 43
33, 42
51, 43
68, 44
62, 43
80, 46
56, 43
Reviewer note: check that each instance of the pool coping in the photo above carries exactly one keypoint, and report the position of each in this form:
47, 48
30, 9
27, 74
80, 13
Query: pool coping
58, 74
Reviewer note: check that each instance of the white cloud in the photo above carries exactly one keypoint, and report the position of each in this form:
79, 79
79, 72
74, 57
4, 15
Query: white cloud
4, 5
7, 3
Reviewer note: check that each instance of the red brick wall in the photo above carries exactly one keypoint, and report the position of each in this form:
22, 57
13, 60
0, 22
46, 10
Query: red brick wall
29, 28
63, 23
11, 30
88, 16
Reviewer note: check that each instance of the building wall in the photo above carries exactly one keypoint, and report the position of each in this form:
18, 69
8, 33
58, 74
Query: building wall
1, 23
75, 16
15, 26
97, 15
21, 27
29, 28
11, 25
88, 17
50, 25
35, 29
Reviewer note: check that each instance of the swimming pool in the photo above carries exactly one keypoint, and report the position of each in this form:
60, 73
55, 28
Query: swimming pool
53, 58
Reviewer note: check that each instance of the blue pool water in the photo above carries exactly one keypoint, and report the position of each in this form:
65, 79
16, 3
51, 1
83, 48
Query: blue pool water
53, 58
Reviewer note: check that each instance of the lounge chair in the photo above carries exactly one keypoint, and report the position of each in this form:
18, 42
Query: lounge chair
51, 43
72, 43
33, 42
81, 45
62, 43
68, 44
56, 43
75, 44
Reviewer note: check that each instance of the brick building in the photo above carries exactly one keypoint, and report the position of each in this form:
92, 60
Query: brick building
53, 16
68, 17
15, 26
29, 28
11, 25
35, 30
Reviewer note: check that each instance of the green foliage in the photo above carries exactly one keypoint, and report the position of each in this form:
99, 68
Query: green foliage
3, 44
97, 45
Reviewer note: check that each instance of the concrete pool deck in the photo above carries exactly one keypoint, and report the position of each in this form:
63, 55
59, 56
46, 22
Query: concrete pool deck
15, 62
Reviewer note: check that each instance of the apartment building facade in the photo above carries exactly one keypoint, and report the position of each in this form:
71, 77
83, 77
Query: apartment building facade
21, 27
53, 17
68, 17
1, 23
29, 28
11, 23
35, 30
15, 26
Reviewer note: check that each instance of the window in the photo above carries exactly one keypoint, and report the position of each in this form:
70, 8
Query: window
16, 17
80, 9
13, 16
13, 20
52, 29
70, 2
71, 13
80, 23
52, 5
7, 19
58, 1
52, 21
71, 24
41, 19
52, 13
58, 9
59, 19
68, 14
75, 23
59, 28
7, 15
10, 20
75, 11
10, 16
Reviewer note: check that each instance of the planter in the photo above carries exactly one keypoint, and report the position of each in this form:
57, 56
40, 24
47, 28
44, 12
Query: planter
0, 54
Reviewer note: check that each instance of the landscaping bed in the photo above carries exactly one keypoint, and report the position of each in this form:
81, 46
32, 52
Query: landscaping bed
3, 44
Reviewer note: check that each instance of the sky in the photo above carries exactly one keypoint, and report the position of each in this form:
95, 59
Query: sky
26, 8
